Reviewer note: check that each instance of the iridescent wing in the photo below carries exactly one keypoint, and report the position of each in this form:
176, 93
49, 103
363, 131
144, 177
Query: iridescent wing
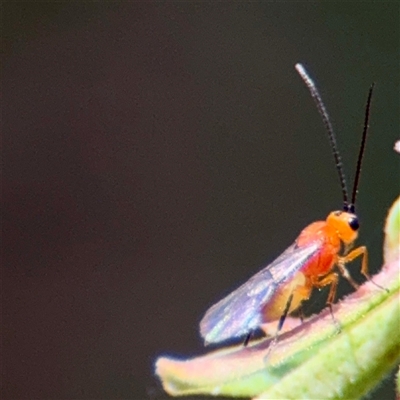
240, 312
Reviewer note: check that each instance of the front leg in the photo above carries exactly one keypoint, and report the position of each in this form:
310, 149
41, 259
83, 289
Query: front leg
343, 260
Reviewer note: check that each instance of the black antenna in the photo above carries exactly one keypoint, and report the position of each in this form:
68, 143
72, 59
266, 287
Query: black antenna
325, 117
362, 148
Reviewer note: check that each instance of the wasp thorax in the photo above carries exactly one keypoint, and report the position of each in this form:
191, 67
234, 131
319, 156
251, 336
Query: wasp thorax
346, 225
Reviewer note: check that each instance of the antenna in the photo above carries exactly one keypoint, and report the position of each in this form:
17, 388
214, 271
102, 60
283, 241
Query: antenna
325, 118
362, 149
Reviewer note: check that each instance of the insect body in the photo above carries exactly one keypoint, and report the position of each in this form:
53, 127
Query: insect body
281, 286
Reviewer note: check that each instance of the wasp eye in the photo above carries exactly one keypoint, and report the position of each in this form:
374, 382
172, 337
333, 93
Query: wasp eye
354, 224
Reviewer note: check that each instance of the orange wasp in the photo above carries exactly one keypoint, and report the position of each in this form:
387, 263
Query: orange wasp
283, 285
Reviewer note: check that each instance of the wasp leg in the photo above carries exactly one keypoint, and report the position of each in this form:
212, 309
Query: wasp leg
332, 280
359, 251
301, 313
274, 341
284, 314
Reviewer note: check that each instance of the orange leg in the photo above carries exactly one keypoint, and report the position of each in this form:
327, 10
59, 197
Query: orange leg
330, 279
359, 251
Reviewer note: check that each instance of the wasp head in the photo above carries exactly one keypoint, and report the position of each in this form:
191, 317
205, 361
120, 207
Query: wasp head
345, 224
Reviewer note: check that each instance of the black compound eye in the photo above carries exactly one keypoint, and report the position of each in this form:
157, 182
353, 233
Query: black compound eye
354, 224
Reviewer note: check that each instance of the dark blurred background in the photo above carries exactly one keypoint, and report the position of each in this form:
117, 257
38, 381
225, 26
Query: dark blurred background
156, 155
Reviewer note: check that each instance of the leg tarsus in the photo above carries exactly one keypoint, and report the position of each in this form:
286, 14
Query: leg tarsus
335, 321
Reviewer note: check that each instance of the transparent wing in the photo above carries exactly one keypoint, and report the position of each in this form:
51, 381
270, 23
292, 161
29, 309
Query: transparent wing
240, 312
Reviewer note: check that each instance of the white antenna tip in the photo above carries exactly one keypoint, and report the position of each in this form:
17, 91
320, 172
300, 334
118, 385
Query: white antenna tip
299, 67
304, 75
